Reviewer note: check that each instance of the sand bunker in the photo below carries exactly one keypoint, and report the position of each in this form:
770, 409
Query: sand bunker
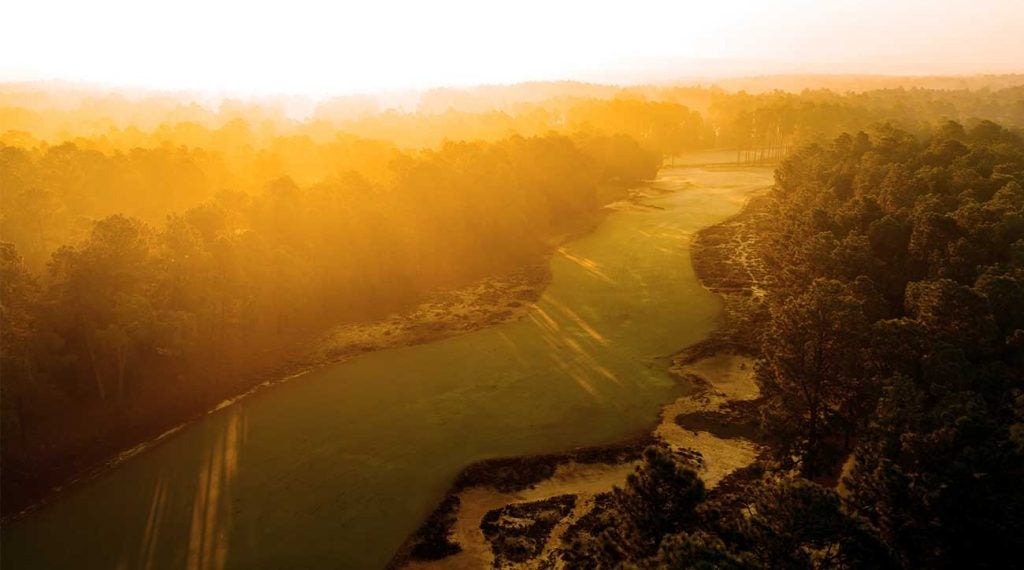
723, 379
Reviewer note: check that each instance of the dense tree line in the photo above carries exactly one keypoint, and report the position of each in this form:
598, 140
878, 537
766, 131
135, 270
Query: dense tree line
52, 193
900, 334
761, 125
764, 127
892, 363
115, 324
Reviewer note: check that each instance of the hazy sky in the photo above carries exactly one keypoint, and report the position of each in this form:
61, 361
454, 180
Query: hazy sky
299, 46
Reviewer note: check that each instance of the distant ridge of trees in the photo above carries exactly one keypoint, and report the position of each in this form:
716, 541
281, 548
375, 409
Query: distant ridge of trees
825, 105
859, 83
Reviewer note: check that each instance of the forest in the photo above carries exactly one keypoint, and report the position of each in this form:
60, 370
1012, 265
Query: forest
890, 366
159, 257
137, 322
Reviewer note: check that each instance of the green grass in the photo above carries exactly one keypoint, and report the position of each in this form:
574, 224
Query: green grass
336, 468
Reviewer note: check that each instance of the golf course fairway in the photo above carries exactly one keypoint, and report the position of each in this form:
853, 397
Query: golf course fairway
335, 468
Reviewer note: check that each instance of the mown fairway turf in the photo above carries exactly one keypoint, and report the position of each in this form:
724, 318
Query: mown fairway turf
334, 469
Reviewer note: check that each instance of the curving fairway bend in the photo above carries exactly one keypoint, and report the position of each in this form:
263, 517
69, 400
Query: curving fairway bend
335, 469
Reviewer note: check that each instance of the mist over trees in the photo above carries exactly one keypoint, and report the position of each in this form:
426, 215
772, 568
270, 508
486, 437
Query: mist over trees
139, 319
156, 256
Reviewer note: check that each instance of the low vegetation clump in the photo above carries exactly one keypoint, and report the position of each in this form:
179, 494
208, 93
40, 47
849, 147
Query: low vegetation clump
508, 474
518, 532
734, 419
432, 542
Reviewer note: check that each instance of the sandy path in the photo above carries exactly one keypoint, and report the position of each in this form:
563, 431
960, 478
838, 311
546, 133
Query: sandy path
730, 378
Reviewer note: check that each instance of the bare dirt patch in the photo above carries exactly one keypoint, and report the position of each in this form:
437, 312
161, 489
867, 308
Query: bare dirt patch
710, 421
441, 314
